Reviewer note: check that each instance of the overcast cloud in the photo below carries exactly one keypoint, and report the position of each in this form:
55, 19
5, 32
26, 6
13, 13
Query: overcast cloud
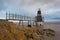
49, 8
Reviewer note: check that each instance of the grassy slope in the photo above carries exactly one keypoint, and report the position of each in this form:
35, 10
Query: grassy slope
10, 31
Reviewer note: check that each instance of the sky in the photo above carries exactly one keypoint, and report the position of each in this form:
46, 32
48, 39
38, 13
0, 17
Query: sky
50, 9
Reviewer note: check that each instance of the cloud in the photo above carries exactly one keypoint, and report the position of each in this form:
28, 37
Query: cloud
30, 7
1, 5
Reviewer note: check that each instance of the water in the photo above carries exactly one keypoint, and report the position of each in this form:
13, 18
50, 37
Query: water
55, 26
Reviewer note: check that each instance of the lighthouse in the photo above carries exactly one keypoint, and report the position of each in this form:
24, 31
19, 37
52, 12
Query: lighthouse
39, 20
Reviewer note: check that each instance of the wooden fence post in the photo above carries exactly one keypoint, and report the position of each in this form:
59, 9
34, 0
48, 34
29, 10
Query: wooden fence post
9, 15
22, 22
6, 15
19, 22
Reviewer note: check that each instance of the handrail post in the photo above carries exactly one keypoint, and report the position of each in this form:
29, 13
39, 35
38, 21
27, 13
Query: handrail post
6, 15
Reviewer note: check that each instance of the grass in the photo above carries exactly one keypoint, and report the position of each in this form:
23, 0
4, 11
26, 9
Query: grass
10, 31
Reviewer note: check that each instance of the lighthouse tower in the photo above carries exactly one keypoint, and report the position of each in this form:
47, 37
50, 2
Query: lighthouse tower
39, 20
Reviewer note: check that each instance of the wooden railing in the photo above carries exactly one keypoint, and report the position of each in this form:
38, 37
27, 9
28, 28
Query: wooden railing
20, 18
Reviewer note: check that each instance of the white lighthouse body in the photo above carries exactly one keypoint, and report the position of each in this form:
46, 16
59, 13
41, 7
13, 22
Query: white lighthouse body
39, 23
